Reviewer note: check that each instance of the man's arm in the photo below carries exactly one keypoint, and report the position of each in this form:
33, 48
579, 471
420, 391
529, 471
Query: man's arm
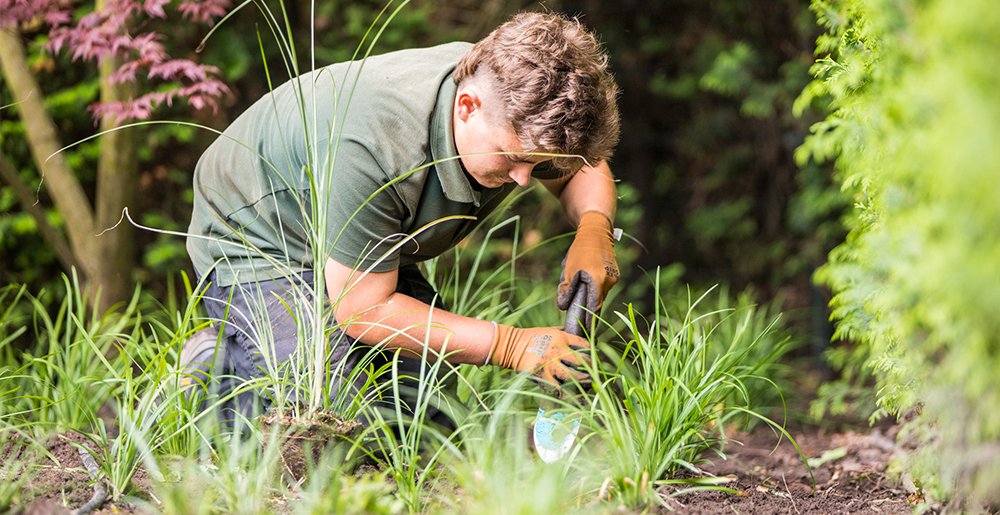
375, 314
589, 199
590, 189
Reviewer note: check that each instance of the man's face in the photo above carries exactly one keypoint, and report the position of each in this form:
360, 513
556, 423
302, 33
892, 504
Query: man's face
479, 137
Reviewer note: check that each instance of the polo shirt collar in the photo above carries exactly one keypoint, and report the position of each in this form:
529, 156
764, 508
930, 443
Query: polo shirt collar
454, 180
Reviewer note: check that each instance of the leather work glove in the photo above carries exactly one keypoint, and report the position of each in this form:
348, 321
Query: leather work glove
548, 352
590, 263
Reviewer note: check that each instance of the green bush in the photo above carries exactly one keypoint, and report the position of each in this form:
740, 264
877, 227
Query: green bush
912, 87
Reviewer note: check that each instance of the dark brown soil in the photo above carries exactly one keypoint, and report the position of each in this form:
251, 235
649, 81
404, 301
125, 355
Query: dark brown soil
772, 478
305, 440
58, 483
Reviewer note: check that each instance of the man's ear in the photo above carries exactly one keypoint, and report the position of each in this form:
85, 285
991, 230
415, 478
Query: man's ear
467, 102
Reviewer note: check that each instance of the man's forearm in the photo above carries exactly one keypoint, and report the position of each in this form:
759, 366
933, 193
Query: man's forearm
590, 189
403, 322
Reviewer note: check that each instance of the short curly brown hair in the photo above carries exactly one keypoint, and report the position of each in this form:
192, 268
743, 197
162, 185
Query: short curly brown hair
553, 78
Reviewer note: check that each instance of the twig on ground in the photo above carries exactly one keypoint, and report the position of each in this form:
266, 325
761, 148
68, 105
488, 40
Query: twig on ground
790, 496
100, 491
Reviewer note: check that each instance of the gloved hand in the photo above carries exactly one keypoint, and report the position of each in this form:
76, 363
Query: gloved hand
548, 352
590, 263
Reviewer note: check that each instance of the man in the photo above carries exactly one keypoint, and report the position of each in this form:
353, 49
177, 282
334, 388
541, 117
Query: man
408, 151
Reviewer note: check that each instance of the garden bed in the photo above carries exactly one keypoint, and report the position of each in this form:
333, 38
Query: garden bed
849, 469
770, 479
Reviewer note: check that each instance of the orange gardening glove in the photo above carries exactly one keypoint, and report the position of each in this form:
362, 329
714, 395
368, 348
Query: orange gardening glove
590, 263
548, 352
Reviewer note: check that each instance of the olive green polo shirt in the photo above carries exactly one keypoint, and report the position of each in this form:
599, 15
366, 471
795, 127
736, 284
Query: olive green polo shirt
374, 147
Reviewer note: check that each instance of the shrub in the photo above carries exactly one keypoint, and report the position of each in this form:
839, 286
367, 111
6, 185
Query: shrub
911, 85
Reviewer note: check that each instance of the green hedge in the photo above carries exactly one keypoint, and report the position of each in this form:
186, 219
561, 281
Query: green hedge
915, 119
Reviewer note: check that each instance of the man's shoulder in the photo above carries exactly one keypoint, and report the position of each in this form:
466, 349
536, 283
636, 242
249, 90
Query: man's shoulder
394, 98
404, 78
450, 50
416, 57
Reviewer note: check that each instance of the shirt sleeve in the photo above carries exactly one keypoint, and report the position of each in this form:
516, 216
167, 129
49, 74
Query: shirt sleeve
365, 213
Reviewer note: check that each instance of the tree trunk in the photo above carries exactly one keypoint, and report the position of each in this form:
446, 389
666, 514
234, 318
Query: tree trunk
117, 173
106, 259
57, 177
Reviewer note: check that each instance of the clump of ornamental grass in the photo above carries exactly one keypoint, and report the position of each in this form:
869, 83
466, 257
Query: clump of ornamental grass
155, 414
61, 383
238, 472
404, 438
665, 396
734, 317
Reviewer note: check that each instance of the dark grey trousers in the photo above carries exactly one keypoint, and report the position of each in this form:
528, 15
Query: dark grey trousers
242, 312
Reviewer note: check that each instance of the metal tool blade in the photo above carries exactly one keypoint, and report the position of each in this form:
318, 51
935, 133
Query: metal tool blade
553, 433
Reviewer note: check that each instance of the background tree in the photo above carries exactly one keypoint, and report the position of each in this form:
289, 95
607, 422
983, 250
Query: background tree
136, 75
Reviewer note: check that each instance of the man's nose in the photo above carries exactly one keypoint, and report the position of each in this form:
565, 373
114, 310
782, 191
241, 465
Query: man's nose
521, 174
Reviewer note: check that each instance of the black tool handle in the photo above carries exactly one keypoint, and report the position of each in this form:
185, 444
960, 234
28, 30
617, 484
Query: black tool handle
577, 312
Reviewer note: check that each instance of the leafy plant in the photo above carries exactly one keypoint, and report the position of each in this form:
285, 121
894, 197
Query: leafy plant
673, 387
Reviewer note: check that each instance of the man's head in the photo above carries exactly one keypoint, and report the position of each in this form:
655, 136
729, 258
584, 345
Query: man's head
538, 83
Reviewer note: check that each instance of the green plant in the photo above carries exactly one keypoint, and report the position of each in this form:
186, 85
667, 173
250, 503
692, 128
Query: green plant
742, 315
332, 488
673, 387
62, 383
405, 440
239, 472
151, 410
498, 471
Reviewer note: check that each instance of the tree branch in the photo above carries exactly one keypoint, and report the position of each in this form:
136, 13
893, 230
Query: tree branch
28, 201
66, 192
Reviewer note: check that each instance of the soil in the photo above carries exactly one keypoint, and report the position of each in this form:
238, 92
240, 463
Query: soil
59, 483
771, 477
305, 440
